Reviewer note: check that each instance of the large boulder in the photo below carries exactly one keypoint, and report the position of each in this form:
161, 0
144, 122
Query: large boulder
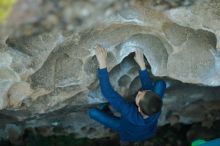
48, 67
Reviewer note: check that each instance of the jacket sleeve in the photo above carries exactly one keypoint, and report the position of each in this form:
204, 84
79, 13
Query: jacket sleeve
160, 87
110, 94
146, 81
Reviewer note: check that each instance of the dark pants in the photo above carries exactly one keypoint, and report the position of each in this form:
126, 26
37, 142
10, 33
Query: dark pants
110, 121
106, 119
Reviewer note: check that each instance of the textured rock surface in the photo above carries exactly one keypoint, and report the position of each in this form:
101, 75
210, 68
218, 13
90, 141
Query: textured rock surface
18, 92
48, 66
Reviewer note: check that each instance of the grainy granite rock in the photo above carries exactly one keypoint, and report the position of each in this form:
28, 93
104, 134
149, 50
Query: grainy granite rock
18, 92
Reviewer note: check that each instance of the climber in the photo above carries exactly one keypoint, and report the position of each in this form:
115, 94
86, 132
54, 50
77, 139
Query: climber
138, 120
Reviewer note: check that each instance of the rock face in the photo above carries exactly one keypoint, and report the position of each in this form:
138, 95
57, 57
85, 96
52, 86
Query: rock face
48, 66
18, 92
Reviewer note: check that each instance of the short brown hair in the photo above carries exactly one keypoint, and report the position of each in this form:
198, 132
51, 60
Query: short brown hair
151, 103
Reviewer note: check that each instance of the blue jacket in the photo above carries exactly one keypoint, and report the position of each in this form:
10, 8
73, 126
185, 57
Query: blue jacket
132, 125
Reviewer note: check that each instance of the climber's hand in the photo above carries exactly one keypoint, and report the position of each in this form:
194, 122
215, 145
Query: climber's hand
101, 55
139, 58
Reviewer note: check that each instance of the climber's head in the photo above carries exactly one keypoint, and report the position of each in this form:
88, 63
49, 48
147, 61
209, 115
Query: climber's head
148, 102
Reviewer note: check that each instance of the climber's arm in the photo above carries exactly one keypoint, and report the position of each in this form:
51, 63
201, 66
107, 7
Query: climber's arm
160, 87
108, 92
146, 81
115, 99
